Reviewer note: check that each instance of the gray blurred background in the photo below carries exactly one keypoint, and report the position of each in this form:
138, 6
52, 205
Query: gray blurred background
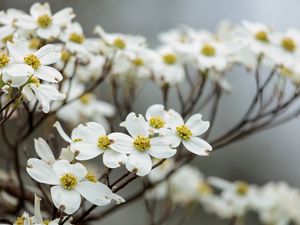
266, 156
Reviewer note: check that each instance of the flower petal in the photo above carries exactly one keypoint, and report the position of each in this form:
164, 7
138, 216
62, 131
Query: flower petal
121, 143
41, 172
197, 146
113, 159
48, 54
69, 199
85, 151
62, 167
197, 125
160, 148
136, 125
155, 110
48, 73
43, 150
97, 193
174, 119
139, 162
17, 50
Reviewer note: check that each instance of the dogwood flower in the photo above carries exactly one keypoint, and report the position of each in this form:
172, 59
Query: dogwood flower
140, 146
187, 133
94, 141
156, 116
37, 61
47, 25
69, 184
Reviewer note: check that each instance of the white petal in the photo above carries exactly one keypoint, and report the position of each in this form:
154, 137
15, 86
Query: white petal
48, 54
14, 81
61, 132
113, 159
136, 125
69, 199
84, 133
19, 70
26, 22
48, 73
96, 128
85, 151
62, 167
6, 31
97, 193
66, 154
122, 143
63, 16
172, 137
49, 32
197, 146
139, 162
38, 9
41, 172
197, 125
17, 50
160, 148
43, 150
174, 119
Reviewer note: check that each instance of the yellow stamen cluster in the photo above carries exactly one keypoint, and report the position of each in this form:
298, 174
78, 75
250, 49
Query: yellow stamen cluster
103, 142
68, 181
34, 80
19, 221
119, 43
91, 177
184, 132
46, 221
208, 50
44, 21
157, 122
32, 60
77, 38
169, 58
288, 44
142, 143
242, 188
65, 55
262, 36
4, 60
138, 61
35, 43
85, 99
204, 188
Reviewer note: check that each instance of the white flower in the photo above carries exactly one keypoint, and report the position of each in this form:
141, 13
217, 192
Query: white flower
140, 145
187, 133
156, 117
47, 25
121, 42
94, 141
69, 184
37, 61
44, 93
167, 67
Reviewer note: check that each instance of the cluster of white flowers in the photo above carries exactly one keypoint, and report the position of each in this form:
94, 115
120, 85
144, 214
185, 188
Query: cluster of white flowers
275, 202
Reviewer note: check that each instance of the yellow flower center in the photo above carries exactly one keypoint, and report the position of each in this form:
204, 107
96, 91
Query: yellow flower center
32, 60
288, 44
44, 21
20, 220
34, 80
85, 99
77, 38
157, 122
184, 132
262, 36
8, 38
142, 143
119, 43
103, 142
204, 188
138, 61
208, 50
65, 55
35, 43
91, 177
242, 188
46, 221
68, 181
4, 60
169, 58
